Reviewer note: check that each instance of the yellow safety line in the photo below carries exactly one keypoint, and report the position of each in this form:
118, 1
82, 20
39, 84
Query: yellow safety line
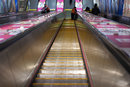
66, 50
68, 27
63, 57
60, 83
68, 9
63, 66
32, 9
68, 54
60, 74
62, 78
63, 60
60, 69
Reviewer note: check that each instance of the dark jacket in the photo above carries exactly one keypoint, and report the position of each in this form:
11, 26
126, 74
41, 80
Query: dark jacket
95, 11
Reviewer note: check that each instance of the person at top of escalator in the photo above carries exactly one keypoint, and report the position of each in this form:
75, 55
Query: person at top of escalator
87, 9
74, 14
95, 10
45, 9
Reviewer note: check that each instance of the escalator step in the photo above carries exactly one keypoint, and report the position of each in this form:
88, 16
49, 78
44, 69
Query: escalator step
60, 80
64, 50
63, 64
41, 75
60, 84
60, 62
62, 71
70, 61
73, 57
45, 67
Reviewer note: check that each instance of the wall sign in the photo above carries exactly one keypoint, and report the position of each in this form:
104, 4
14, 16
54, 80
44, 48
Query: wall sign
60, 5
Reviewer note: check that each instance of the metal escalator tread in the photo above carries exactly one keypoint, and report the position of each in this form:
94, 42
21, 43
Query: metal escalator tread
63, 78
60, 83
63, 66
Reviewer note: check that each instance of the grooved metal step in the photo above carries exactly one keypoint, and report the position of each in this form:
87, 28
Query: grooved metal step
60, 80
63, 71
61, 67
60, 85
63, 64
61, 75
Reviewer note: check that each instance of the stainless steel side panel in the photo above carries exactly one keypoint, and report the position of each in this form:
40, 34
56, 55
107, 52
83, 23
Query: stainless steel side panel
18, 61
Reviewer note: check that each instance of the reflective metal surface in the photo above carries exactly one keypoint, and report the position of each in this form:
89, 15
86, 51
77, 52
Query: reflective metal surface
106, 71
18, 61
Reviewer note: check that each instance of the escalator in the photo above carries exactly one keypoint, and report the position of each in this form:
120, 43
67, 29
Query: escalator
64, 65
